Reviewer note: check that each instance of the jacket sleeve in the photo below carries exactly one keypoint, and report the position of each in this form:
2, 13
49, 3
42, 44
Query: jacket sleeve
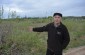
66, 38
41, 29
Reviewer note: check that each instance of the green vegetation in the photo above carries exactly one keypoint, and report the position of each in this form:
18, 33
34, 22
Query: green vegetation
19, 41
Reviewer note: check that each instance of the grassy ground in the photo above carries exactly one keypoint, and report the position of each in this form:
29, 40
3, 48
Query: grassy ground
22, 42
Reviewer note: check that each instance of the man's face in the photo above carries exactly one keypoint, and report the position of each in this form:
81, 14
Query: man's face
57, 19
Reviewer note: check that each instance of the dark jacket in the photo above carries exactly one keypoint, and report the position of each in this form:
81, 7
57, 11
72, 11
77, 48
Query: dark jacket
58, 37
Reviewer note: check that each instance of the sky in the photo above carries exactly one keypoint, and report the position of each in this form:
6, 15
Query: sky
44, 8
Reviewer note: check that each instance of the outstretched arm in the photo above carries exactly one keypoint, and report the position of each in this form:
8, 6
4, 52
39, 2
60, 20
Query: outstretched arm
39, 29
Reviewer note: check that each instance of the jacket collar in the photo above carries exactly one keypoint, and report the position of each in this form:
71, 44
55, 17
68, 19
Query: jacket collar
60, 26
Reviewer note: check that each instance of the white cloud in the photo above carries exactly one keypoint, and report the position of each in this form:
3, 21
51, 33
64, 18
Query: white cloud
45, 7
12, 7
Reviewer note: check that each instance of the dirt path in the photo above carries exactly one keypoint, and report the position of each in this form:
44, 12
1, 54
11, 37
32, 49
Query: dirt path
76, 51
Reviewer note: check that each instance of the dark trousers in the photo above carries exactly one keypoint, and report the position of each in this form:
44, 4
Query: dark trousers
49, 52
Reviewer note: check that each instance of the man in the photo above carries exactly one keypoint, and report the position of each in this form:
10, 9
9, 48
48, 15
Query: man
58, 36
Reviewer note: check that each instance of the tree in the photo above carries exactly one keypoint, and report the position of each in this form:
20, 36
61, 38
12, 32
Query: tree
1, 12
9, 13
83, 17
13, 14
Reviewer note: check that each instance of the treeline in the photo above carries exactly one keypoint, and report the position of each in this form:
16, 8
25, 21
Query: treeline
13, 15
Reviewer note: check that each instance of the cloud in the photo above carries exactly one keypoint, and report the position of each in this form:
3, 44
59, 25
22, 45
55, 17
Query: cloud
45, 7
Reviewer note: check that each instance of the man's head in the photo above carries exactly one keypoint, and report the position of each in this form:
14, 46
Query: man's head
57, 17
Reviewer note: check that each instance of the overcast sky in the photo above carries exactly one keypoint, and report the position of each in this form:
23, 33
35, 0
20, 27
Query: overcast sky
40, 8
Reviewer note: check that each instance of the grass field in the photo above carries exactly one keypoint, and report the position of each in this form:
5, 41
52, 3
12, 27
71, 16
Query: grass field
19, 41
